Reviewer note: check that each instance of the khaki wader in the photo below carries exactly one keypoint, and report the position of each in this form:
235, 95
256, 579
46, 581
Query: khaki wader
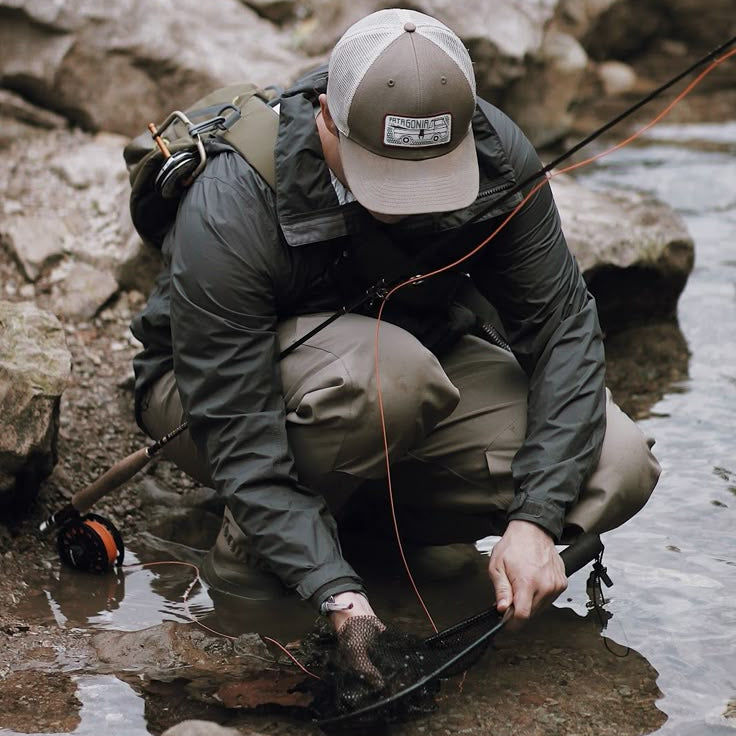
453, 428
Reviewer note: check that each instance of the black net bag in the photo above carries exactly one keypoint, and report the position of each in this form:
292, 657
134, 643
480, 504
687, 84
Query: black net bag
374, 674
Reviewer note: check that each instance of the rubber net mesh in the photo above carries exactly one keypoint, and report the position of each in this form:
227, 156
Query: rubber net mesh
393, 674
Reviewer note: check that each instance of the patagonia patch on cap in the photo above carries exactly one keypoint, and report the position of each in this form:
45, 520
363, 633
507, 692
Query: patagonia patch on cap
417, 132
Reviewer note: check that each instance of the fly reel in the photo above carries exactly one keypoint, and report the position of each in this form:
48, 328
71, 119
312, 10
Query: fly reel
90, 543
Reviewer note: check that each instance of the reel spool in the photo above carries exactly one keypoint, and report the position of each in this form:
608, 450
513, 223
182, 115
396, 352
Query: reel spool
177, 173
90, 543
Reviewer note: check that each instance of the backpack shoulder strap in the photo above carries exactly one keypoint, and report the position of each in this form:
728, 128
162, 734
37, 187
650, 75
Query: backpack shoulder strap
158, 180
254, 134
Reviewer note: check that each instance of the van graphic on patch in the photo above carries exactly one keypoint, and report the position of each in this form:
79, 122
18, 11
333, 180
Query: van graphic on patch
417, 132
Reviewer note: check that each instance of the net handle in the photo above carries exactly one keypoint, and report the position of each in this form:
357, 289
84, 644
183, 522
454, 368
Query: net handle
586, 548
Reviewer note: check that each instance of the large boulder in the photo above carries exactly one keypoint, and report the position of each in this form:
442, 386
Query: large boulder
624, 28
541, 101
500, 42
35, 367
64, 220
115, 66
634, 251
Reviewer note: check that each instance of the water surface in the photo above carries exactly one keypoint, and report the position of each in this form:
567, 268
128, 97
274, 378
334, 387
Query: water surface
675, 563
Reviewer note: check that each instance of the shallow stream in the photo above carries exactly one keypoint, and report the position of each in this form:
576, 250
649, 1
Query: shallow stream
675, 562
674, 565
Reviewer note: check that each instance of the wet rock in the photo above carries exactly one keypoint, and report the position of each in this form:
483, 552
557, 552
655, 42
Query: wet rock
152, 493
635, 252
237, 672
27, 698
199, 728
264, 690
173, 650
183, 526
35, 367
204, 728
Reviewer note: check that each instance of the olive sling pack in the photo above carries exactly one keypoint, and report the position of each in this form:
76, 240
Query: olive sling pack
164, 161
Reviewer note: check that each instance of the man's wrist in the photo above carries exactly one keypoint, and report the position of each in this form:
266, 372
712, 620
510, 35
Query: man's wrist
545, 514
528, 527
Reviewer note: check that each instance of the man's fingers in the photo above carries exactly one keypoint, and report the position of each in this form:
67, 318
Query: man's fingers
501, 586
523, 598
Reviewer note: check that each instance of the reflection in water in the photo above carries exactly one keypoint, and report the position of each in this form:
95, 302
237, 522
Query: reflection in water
643, 364
109, 706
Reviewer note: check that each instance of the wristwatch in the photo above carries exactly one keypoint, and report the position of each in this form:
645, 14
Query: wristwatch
330, 605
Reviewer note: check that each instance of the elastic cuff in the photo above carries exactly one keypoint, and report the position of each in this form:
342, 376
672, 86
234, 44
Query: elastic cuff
323, 575
340, 585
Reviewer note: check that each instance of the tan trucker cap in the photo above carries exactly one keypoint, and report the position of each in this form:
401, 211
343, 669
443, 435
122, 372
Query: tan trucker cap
401, 91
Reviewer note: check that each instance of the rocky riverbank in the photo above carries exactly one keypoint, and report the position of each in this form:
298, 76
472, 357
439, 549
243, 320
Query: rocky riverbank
76, 83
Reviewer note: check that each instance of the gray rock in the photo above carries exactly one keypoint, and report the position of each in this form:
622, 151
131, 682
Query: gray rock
36, 240
35, 367
65, 211
616, 77
626, 27
541, 101
16, 107
277, 11
635, 252
80, 290
114, 66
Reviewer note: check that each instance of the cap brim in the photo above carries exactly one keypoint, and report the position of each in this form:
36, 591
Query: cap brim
398, 187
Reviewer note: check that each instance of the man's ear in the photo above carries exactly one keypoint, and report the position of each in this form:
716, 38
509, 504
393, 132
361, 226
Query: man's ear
325, 110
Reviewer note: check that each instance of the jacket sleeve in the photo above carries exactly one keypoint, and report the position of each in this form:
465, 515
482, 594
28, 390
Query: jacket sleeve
551, 321
225, 256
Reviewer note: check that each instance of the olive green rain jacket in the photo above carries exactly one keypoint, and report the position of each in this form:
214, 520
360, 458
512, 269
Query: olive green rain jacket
241, 257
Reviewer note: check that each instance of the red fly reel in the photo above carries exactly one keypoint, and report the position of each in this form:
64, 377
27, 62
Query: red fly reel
90, 543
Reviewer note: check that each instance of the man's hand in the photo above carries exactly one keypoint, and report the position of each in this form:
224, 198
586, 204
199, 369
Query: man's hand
526, 571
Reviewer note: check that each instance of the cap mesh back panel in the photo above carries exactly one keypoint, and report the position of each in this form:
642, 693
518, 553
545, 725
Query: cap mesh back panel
366, 40
348, 64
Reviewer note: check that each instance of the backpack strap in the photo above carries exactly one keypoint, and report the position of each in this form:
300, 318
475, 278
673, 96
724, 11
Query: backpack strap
253, 135
159, 174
